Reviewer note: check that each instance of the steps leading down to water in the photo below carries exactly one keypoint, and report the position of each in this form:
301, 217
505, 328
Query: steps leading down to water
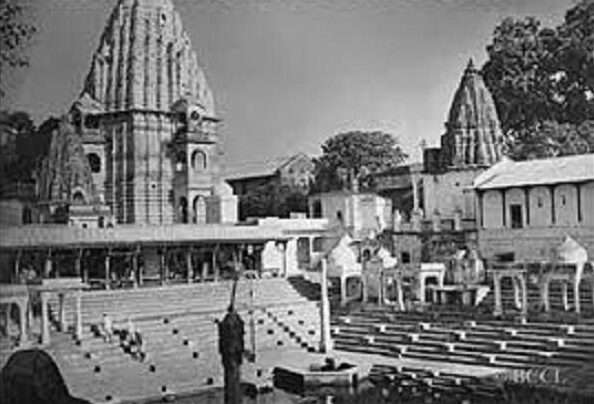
179, 327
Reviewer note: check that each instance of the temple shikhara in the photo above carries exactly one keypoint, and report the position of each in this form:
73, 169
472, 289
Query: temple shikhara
147, 124
451, 275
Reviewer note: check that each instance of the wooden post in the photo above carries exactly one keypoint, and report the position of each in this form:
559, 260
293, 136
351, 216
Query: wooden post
326, 341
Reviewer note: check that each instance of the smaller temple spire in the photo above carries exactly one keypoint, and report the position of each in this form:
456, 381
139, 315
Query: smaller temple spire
470, 67
473, 133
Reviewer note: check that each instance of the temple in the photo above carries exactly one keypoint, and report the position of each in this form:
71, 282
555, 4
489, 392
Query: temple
147, 121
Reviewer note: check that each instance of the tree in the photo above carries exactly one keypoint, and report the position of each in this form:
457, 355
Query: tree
518, 73
551, 139
542, 80
357, 155
272, 199
15, 34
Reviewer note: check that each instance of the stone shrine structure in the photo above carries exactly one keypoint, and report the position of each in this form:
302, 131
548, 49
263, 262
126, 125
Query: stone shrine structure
435, 200
147, 121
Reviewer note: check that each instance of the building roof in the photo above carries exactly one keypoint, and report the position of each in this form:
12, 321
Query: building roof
508, 173
256, 169
60, 236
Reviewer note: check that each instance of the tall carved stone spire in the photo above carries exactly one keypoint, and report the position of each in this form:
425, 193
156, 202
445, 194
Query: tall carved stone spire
145, 60
473, 133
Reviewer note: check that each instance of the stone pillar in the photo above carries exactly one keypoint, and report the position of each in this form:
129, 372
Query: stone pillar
524, 288
135, 269
48, 265
108, 270
204, 273
436, 221
45, 327
23, 338
458, 220
78, 328
7, 308
285, 249
17, 266
416, 220
163, 267
189, 266
415, 191
325, 341
517, 292
215, 267
62, 312
497, 290
77, 263
545, 294
576, 286
564, 297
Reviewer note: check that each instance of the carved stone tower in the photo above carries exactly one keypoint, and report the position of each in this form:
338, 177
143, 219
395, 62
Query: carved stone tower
131, 115
473, 134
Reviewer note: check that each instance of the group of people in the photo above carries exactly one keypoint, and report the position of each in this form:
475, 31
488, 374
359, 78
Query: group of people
131, 339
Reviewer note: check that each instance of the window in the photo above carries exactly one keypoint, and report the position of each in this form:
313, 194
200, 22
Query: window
318, 244
563, 200
539, 202
94, 162
339, 216
515, 212
78, 198
199, 210
198, 160
405, 257
91, 122
316, 209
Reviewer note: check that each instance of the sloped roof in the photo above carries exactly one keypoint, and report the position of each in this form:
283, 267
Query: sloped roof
558, 170
255, 169
65, 236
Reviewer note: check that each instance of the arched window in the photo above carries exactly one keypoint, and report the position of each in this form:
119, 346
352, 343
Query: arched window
78, 198
199, 210
199, 160
183, 208
94, 162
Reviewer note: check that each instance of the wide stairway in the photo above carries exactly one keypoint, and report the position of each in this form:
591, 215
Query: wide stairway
179, 329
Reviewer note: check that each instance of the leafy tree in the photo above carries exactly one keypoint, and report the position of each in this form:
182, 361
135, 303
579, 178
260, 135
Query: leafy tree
15, 34
542, 80
518, 73
272, 199
355, 155
551, 139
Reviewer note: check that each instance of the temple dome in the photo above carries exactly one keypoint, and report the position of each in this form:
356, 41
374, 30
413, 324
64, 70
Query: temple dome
145, 60
473, 132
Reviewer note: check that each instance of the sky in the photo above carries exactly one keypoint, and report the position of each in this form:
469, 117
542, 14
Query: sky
288, 74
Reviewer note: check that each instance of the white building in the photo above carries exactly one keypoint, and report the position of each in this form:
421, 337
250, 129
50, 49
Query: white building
526, 208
